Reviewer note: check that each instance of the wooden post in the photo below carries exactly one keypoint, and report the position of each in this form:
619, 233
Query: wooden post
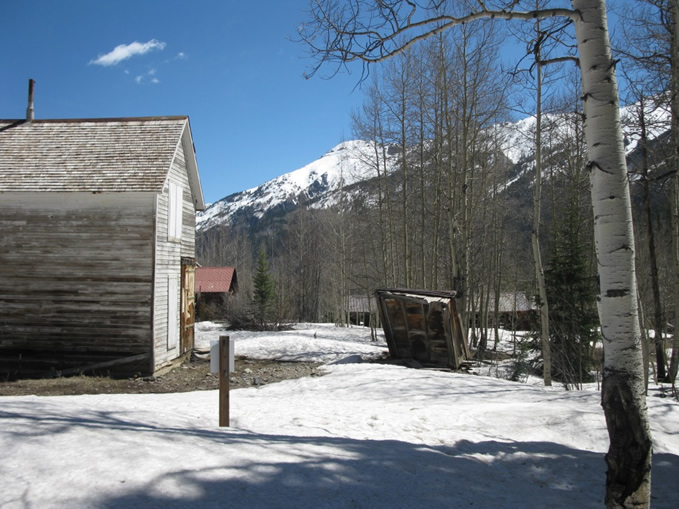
224, 376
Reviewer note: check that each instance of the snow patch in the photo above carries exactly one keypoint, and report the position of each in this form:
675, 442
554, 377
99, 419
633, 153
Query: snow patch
362, 435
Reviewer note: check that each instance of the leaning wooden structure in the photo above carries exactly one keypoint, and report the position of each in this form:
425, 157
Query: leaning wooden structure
422, 325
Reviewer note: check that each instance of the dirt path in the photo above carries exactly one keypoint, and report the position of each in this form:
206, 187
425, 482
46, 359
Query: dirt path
192, 375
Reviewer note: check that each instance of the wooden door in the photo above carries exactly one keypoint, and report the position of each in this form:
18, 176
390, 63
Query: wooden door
188, 305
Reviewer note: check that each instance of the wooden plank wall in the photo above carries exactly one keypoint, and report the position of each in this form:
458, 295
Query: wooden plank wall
76, 276
422, 327
168, 255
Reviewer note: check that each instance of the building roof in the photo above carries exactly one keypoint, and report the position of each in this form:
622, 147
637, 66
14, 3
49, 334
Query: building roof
514, 301
510, 302
94, 155
216, 280
360, 304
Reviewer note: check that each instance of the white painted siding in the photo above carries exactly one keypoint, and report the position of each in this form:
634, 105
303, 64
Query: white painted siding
168, 257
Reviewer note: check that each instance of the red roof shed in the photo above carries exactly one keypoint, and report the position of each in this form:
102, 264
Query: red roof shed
216, 280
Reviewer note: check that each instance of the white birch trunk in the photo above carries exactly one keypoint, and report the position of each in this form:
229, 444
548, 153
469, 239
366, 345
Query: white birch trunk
623, 400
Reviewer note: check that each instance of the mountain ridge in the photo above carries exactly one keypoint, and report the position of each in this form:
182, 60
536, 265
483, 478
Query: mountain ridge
351, 162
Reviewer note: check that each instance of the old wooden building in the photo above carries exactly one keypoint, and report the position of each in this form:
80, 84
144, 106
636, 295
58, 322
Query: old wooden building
360, 310
97, 246
513, 311
422, 325
214, 288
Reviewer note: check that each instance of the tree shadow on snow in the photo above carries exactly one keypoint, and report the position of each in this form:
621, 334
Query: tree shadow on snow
278, 471
393, 474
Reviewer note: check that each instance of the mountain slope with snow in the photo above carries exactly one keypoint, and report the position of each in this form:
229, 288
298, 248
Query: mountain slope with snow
344, 165
317, 184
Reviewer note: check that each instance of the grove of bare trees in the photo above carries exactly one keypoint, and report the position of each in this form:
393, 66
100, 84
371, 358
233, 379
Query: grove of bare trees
585, 222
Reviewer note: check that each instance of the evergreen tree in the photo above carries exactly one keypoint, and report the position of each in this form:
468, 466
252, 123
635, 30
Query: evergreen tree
263, 288
572, 305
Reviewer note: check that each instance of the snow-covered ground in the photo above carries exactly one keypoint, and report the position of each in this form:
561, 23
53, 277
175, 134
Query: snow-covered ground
309, 342
364, 435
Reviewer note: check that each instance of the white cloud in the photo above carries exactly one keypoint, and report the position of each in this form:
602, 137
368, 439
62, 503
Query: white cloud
125, 51
144, 78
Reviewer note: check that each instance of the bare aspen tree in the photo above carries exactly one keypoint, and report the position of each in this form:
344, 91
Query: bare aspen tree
628, 459
474, 91
674, 362
649, 49
369, 125
396, 85
499, 218
425, 249
535, 236
434, 106
403, 111
342, 245
646, 46
542, 39
371, 32
652, 251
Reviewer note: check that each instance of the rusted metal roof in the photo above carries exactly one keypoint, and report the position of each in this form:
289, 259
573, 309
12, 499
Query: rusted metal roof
216, 280
96, 155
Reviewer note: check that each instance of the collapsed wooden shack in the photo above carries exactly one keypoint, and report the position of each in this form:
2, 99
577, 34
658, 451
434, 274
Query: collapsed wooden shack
422, 325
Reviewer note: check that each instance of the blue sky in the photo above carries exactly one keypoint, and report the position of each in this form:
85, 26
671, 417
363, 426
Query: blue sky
227, 64
230, 65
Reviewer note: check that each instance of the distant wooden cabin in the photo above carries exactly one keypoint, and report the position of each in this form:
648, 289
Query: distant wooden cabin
213, 287
422, 325
360, 310
515, 311
98, 244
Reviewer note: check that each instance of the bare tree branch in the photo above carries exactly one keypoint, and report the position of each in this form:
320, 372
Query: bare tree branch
374, 31
558, 60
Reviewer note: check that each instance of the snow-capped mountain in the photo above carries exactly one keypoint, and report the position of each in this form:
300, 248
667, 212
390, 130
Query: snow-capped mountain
313, 185
317, 184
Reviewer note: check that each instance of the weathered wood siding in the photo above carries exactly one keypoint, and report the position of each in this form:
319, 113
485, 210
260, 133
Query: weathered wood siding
422, 325
76, 278
168, 255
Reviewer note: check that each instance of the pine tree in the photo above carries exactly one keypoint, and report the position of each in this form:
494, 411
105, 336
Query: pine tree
572, 305
263, 289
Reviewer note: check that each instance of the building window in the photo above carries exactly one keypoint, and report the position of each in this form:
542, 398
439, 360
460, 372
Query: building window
172, 312
174, 212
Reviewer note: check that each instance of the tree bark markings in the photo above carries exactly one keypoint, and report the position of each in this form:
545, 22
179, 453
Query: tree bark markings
629, 457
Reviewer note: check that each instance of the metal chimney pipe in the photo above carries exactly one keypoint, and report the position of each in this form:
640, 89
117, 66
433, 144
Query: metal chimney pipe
30, 110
